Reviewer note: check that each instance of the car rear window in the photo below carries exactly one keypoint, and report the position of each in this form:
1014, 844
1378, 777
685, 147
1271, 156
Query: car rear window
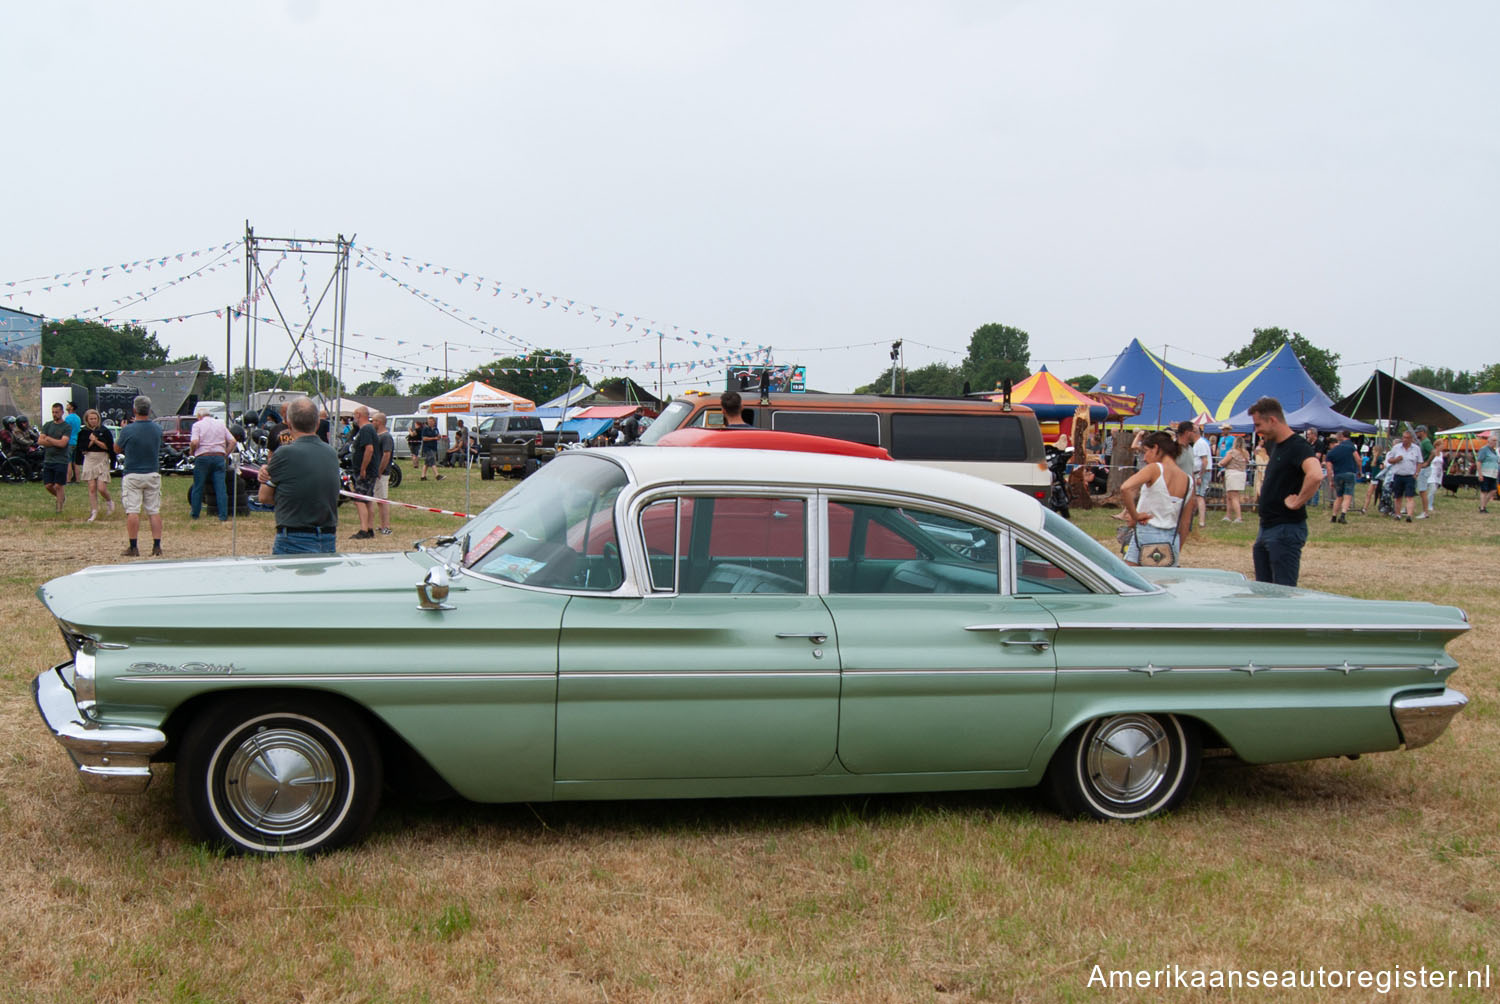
987, 438
852, 426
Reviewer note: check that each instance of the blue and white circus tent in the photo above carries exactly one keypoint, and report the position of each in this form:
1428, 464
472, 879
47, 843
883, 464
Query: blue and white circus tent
1174, 393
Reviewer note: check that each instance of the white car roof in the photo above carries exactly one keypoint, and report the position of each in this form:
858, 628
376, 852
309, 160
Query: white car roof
651, 465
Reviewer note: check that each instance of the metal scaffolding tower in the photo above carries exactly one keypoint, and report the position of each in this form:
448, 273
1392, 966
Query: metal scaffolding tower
258, 281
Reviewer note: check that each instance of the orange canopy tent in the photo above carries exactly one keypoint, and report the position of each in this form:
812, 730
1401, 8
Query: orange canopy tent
476, 396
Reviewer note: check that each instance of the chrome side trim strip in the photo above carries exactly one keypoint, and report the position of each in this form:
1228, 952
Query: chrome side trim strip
1252, 669
340, 678
948, 672
1258, 628
604, 674
1010, 627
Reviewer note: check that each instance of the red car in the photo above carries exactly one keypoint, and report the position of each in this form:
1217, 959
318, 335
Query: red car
176, 431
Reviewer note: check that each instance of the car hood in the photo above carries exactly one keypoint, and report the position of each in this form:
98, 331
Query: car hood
258, 592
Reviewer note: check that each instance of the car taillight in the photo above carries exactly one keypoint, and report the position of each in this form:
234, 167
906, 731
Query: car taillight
1039, 493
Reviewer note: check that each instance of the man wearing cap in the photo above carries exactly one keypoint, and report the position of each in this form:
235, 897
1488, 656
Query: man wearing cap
1489, 470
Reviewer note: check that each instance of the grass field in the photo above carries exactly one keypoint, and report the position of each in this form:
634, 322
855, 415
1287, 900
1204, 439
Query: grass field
1391, 860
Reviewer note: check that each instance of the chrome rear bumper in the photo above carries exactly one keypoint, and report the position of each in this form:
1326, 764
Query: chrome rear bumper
1422, 719
111, 759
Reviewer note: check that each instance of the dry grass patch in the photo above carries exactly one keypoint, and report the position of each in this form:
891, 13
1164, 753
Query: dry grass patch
1392, 859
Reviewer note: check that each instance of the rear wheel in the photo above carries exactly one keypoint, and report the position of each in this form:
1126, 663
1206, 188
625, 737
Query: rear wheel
277, 775
13, 471
395, 475
486, 470
1128, 766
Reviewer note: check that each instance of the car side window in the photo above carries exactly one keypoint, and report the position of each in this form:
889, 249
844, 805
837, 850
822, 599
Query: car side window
1037, 574
726, 544
895, 549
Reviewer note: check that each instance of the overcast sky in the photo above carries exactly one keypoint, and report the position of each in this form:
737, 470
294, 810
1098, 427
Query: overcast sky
820, 178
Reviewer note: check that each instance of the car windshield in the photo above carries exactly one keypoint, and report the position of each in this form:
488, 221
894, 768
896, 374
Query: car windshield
1096, 553
670, 419
556, 529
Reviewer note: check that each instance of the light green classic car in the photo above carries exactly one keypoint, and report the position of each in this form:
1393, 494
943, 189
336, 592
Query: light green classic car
674, 622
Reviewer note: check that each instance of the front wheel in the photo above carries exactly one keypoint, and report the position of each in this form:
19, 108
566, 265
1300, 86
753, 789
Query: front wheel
277, 775
395, 475
1128, 766
13, 471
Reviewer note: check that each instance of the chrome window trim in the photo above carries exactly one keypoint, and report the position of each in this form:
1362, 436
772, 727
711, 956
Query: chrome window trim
1005, 579
626, 589
678, 490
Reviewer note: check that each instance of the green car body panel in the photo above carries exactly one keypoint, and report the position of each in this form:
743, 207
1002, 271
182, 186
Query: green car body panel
511, 692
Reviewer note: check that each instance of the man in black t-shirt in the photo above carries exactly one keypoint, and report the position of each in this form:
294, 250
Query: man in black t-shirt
364, 466
1292, 476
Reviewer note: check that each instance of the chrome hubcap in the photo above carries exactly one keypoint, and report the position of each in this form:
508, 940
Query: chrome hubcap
1128, 757
280, 781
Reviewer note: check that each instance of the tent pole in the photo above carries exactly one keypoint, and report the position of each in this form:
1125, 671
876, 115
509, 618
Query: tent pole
1163, 392
1391, 411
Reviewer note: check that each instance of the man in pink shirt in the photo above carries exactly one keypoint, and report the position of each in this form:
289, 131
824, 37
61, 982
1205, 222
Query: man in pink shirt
211, 444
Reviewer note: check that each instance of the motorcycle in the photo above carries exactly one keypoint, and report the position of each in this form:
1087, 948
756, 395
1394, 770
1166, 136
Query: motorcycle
1057, 497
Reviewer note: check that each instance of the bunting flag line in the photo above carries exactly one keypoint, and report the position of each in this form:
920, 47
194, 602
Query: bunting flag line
141, 295
547, 300
101, 272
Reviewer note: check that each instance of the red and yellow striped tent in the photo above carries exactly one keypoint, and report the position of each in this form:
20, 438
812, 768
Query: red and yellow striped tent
1053, 400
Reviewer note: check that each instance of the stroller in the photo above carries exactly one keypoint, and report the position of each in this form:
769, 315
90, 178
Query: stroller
1387, 504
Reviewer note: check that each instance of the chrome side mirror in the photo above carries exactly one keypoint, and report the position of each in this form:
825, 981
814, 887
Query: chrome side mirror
433, 590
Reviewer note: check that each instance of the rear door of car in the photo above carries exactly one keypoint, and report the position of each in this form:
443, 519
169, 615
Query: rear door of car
944, 669
726, 667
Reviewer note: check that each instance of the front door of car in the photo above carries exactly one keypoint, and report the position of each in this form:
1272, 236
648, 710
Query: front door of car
726, 668
942, 671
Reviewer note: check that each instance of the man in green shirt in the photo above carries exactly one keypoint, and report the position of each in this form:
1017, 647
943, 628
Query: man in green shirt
302, 479
57, 458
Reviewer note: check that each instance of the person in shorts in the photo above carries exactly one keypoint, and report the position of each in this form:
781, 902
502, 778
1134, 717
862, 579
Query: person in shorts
1488, 461
1156, 503
1403, 461
1342, 463
430, 437
140, 488
55, 438
96, 456
383, 478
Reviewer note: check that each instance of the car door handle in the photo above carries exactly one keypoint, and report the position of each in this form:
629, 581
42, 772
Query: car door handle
1040, 644
816, 637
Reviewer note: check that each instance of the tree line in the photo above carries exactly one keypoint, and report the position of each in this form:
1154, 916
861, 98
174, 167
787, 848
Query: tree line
997, 351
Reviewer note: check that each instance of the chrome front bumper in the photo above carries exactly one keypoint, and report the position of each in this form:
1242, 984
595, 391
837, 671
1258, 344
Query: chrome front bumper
1422, 719
111, 759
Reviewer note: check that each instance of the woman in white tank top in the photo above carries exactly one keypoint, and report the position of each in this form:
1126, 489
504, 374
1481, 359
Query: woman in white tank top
1154, 498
